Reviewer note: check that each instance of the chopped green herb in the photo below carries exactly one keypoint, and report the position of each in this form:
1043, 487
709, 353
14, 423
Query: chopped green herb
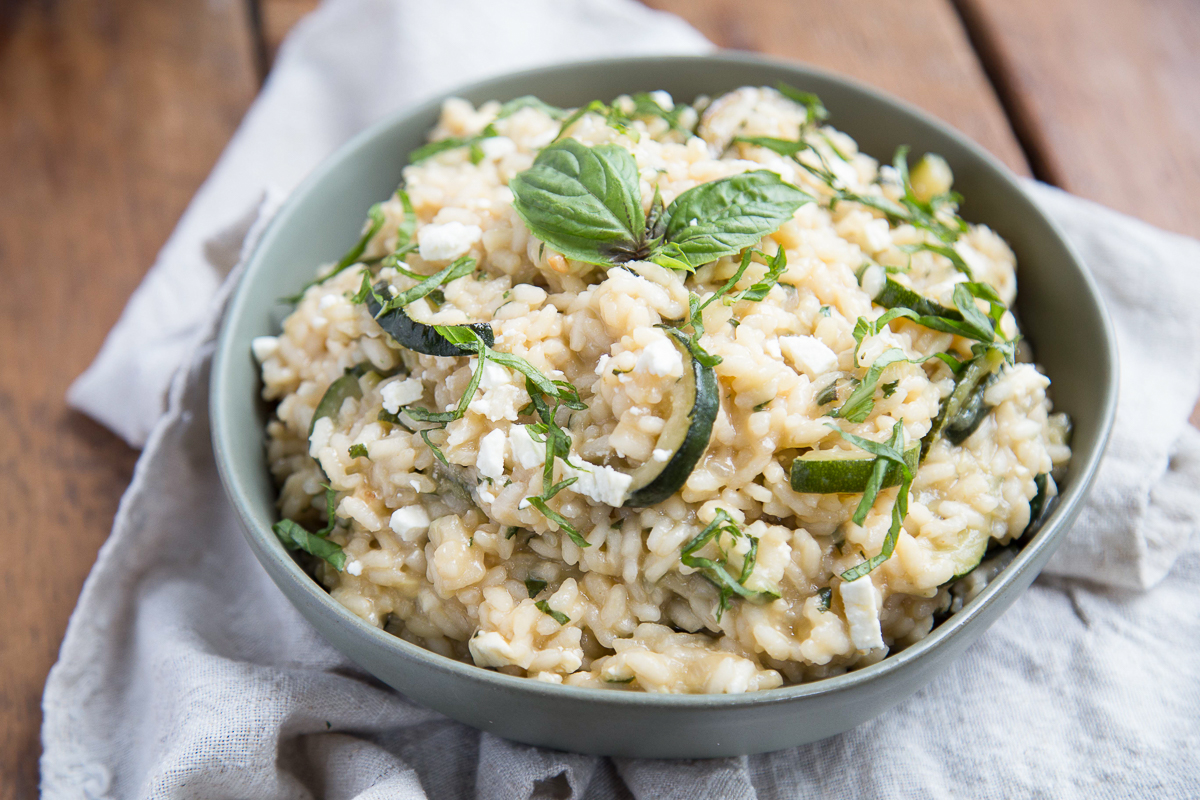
352, 256
715, 570
616, 371
886, 454
890, 388
442, 145
559, 520
813, 107
630, 679
534, 586
429, 284
359, 451
558, 616
295, 537
510, 532
824, 311
828, 395
826, 596
762, 405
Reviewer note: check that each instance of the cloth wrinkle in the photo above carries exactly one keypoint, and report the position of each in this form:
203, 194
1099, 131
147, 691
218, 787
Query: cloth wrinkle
185, 673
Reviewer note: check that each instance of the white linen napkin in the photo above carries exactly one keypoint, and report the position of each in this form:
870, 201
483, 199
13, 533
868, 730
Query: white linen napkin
185, 672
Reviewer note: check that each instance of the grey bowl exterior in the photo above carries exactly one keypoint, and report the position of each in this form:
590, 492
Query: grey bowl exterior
1061, 312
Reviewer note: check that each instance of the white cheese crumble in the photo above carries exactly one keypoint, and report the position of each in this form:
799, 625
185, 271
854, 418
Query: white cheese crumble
661, 456
264, 347
809, 354
409, 522
525, 451
354, 568
498, 403
661, 358
602, 484
490, 462
861, 602
447, 241
399, 393
491, 650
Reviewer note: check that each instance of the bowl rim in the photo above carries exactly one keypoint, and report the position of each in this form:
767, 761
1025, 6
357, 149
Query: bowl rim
1047, 538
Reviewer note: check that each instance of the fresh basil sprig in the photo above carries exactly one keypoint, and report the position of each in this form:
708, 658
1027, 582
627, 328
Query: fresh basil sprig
586, 203
442, 145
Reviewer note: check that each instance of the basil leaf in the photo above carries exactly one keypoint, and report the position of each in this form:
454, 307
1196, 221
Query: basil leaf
813, 106
559, 520
534, 586
721, 218
784, 147
585, 202
860, 402
557, 616
359, 451
442, 145
759, 291
453, 271
295, 537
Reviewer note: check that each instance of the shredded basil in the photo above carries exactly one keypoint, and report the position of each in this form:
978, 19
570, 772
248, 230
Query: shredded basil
559, 520
890, 388
442, 145
534, 586
295, 537
352, 256
510, 532
558, 616
814, 108
529, 101
715, 570
359, 451
886, 454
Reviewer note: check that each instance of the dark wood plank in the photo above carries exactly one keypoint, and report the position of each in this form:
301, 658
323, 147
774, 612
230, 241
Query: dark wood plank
111, 114
277, 17
916, 49
1106, 96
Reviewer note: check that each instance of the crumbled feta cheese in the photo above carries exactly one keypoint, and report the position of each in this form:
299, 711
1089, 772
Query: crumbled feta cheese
661, 456
526, 452
861, 601
399, 393
491, 650
661, 358
493, 376
264, 347
664, 99
409, 522
448, 240
498, 403
495, 147
490, 462
602, 484
327, 302
318, 440
809, 354
354, 568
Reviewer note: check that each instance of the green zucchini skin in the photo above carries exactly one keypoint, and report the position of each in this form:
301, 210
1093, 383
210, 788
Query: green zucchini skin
894, 295
973, 412
705, 403
813, 476
418, 336
1038, 506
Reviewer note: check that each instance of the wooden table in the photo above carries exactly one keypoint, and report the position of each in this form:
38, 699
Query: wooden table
113, 111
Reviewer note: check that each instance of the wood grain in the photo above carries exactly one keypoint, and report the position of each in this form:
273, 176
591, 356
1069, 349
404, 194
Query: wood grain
917, 50
1106, 96
277, 17
111, 114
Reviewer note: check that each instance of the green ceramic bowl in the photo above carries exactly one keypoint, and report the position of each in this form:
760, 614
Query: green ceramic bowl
1058, 304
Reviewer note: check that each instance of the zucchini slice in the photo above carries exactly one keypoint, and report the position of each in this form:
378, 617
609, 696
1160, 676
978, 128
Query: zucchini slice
417, 335
695, 399
961, 556
844, 471
974, 377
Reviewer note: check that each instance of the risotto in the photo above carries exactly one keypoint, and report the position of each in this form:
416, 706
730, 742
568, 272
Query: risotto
660, 397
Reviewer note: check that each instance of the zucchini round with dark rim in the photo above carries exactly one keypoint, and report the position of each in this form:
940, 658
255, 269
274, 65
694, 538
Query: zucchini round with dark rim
844, 471
695, 399
418, 336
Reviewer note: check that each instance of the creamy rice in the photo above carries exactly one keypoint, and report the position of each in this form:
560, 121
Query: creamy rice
448, 557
